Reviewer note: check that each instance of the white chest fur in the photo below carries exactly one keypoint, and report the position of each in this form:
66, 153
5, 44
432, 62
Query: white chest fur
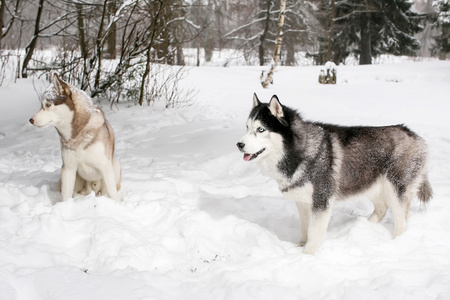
85, 161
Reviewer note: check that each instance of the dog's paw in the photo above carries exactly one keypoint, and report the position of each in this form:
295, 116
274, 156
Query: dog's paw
310, 249
374, 218
398, 231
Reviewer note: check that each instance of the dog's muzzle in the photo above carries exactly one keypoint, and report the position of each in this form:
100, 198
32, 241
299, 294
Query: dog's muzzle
247, 156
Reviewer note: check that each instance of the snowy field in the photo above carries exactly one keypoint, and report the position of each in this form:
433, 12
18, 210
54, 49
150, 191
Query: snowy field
198, 222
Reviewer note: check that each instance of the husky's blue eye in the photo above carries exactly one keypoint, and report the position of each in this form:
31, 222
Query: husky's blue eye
48, 104
260, 129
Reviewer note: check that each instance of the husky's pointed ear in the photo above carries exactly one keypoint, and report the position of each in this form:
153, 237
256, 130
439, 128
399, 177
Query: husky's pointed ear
61, 87
256, 101
276, 108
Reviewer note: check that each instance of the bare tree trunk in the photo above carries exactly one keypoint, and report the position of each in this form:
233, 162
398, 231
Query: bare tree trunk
180, 55
290, 54
198, 55
112, 33
331, 32
83, 46
178, 37
148, 55
5, 28
445, 37
198, 39
263, 36
99, 47
365, 58
2, 13
278, 42
32, 45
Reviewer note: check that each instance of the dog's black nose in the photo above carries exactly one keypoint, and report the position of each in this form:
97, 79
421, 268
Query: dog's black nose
240, 145
31, 121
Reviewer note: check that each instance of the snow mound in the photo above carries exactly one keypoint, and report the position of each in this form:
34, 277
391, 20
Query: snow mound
196, 222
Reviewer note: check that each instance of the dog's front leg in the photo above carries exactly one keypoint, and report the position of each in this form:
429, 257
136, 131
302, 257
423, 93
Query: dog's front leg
304, 212
68, 177
317, 229
302, 196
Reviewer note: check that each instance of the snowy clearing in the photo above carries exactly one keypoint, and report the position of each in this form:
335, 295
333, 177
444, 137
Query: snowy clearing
198, 222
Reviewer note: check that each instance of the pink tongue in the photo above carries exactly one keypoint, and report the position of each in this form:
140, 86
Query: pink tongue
247, 156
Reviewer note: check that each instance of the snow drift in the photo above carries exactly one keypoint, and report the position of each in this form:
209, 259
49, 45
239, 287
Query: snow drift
197, 222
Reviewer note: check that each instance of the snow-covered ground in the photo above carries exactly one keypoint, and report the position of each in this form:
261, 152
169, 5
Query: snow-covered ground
198, 222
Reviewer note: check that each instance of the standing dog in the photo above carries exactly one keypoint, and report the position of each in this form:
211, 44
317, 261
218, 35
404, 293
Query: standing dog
87, 141
315, 164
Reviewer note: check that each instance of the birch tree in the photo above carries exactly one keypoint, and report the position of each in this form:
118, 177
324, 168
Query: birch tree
257, 35
253, 28
278, 42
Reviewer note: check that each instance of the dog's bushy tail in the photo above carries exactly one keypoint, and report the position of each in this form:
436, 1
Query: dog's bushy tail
425, 193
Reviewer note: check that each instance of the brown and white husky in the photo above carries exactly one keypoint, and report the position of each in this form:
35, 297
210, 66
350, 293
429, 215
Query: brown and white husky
87, 141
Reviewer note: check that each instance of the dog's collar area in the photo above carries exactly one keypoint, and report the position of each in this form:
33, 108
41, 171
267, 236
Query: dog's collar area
248, 157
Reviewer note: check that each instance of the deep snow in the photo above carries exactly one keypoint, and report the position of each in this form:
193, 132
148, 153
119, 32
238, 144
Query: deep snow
198, 222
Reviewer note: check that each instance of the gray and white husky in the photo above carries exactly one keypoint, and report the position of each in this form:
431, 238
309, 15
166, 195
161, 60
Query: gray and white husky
316, 164
87, 141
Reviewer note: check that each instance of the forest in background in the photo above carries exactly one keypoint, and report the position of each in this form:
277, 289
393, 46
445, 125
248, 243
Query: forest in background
119, 47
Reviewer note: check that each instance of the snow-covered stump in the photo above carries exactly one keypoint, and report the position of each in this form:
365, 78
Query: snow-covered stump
328, 74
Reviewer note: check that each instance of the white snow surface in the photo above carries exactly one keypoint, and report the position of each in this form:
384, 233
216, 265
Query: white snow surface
198, 222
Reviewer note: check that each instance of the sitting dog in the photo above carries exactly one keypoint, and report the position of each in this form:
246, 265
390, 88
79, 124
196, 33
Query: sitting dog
87, 140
